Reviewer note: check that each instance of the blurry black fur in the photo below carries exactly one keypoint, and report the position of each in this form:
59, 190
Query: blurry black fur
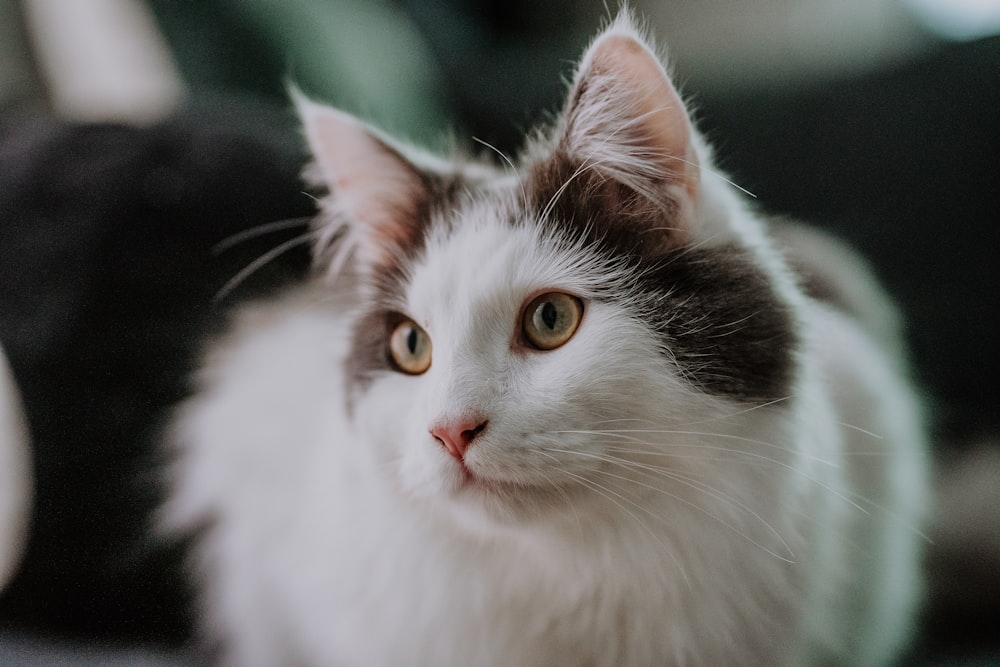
109, 269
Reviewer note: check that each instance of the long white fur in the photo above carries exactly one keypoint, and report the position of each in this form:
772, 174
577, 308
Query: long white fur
624, 516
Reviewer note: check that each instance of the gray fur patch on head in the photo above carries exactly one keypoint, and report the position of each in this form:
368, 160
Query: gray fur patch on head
724, 324
619, 176
714, 307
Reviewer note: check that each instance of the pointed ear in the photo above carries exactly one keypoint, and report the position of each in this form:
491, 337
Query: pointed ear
377, 197
625, 120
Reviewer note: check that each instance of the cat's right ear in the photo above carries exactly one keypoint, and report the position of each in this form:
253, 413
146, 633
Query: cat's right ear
377, 198
626, 132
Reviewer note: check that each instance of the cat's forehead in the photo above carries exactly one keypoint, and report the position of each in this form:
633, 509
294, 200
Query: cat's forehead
494, 251
485, 252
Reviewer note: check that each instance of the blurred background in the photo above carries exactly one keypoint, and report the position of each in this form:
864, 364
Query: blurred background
876, 119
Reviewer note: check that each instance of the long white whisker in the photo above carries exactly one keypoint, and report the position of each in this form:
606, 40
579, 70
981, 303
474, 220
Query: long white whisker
510, 164
909, 525
608, 493
260, 230
698, 486
260, 262
782, 464
569, 502
728, 436
753, 455
723, 418
562, 188
860, 430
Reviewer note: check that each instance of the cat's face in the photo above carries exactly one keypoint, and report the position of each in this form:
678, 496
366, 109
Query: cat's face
511, 332
548, 330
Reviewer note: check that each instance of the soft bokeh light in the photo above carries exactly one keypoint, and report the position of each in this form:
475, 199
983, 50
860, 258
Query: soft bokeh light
959, 19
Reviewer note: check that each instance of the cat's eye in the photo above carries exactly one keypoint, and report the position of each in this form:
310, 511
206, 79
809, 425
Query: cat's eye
410, 348
551, 319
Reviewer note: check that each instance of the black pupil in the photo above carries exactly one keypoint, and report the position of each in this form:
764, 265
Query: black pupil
550, 315
412, 339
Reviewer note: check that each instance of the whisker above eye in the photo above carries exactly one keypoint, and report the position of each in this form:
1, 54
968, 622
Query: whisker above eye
258, 231
508, 164
261, 262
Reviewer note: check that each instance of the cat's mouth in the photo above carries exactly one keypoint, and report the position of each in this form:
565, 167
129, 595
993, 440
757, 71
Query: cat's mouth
467, 480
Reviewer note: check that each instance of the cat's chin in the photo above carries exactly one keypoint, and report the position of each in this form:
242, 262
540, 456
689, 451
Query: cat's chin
480, 489
474, 497
464, 484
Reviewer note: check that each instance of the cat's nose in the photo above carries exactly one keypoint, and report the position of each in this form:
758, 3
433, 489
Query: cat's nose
456, 436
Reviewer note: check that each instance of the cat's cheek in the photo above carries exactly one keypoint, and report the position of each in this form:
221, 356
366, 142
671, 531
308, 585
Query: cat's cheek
425, 471
405, 454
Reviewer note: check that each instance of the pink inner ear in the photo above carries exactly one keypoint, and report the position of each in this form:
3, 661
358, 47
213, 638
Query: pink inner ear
372, 186
654, 104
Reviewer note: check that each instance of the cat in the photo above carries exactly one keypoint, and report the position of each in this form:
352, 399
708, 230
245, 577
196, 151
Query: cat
574, 409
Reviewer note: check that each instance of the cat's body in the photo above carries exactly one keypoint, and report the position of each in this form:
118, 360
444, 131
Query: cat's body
577, 413
315, 552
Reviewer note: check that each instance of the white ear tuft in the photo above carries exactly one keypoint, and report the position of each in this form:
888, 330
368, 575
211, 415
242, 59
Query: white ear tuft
625, 119
376, 195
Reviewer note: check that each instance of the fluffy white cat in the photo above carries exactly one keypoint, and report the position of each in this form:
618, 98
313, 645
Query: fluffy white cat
573, 411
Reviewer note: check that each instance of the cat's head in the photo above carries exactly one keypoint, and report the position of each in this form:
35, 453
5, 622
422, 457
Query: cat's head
535, 332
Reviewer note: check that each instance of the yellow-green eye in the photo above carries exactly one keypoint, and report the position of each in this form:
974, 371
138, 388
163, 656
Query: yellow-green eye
410, 348
551, 319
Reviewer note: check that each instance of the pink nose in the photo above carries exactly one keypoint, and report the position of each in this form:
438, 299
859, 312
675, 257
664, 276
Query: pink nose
457, 436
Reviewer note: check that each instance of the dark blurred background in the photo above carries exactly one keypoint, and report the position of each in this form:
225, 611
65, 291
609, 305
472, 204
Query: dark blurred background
876, 119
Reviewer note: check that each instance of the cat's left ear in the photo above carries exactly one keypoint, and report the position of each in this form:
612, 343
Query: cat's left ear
625, 121
377, 196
